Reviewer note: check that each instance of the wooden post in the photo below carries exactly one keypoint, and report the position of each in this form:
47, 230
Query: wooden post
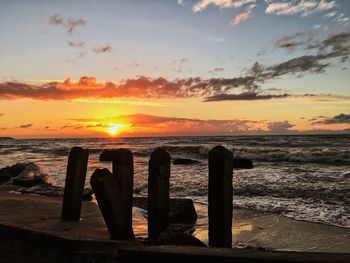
158, 192
108, 195
74, 186
123, 172
220, 197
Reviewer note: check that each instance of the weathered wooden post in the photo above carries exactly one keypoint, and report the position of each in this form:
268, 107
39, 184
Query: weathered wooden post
123, 173
74, 186
158, 192
108, 194
220, 197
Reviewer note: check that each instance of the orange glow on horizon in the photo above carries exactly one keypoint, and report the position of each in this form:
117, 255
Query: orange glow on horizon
113, 129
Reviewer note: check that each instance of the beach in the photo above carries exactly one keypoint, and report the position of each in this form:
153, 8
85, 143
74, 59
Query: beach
251, 229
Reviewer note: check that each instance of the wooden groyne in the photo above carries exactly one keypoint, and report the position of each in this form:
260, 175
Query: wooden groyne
114, 192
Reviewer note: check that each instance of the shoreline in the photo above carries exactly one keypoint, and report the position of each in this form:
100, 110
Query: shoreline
251, 228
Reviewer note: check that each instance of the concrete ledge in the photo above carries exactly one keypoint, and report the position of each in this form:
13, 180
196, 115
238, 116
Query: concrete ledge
23, 245
189, 254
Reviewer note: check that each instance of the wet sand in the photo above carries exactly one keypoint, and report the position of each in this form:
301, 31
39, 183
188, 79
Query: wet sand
255, 229
252, 229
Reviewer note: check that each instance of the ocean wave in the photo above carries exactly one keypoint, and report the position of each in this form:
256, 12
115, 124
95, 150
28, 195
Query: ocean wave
330, 155
299, 209
327, 195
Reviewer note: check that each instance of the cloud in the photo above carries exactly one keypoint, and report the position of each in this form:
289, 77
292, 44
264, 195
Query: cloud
203, 4
103, 49
56, 19
338, 119
215, 71
2, 114
146, 124
245, 96
302, 7
25, 126
77, 44
179, 65
330, 14
69, 24
334, 46
243, 16
180, 2
245, 87
180, 61
279, 126
151, 124
277, 7
293, 41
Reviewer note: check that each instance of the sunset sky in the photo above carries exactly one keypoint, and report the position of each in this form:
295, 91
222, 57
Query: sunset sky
170, 67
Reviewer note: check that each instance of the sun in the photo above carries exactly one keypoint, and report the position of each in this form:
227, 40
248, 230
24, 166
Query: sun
115, 128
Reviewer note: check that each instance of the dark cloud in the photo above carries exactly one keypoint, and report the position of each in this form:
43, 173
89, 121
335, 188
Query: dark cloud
279, 126
25, 126
68, 126
334, 46
180, 61
215, 71
2, 114
338, 119
180, 65
77, 44
56, 19
69, 24
294, 41
103, 49
244, 96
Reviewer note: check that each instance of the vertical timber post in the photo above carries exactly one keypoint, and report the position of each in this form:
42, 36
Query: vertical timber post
123, 172
108, 195
158, 192
220, 197
74, 185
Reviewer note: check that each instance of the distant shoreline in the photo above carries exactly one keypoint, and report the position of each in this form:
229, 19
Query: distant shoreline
6, 138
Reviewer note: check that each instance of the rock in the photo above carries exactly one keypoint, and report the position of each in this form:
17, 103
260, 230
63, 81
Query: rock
181, 210
87, 194
243, 163
182, 239
184, 161
28, 182
50, 190
5, 174
30, 176
43, 189
9, 172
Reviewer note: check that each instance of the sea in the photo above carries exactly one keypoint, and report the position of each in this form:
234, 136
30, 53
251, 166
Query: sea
304, 177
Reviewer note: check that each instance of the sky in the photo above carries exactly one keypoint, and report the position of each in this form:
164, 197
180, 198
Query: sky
88, 68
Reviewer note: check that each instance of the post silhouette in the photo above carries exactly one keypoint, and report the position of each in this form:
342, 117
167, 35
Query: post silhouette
74, 185
108, 195
158, 192
220, 197
123, 174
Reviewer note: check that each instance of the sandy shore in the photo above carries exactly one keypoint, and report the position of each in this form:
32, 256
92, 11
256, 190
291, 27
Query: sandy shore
251, 228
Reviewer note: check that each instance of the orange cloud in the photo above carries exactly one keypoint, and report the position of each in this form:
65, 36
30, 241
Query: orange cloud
150, 124
83, 84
